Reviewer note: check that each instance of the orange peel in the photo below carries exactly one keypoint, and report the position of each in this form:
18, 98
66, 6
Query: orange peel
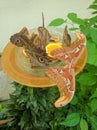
25, 54
51, 46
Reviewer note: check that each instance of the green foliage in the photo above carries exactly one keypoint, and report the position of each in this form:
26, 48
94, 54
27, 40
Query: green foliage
3, 113
83, 124
93, 120
30, 107
92, 53
94, 7
73, 17
57, 22
71, 120
33, 109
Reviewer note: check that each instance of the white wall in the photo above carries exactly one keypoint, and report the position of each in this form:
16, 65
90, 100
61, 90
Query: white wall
15, 14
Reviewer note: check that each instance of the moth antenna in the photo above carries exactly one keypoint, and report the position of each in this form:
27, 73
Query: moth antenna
42, 19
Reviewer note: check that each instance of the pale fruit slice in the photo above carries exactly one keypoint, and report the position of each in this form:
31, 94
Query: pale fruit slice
24, 53
51, 46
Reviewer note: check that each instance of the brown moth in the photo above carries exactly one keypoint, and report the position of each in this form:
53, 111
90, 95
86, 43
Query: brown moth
66, 38
34, 46
44, 36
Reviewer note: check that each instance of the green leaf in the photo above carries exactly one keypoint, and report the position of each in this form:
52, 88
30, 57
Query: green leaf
1, 107
93, 6
73, 17
93, 34
57, 22
95, 12
73, 29
74, 100
71, 120
88, 111
92, 20
87, 79
94, 95
92, 53
91, 69
95, 1
83, 124
93, 120
93, 104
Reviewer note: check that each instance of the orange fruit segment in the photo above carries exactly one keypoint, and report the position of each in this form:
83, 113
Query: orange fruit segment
51, 46
24, 53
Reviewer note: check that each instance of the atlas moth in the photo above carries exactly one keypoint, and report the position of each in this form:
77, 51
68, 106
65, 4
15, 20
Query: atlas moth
65, 76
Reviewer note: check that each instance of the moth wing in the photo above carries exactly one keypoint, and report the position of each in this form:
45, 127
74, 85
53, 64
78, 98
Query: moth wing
66, 38
24, 31
61, 54
65, 80
73, 52
44, 36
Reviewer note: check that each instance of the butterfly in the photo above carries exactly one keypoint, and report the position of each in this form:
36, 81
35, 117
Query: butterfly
65, 76
34, 45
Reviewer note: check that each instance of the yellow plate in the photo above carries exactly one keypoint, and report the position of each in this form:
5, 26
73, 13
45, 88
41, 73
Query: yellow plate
18, 68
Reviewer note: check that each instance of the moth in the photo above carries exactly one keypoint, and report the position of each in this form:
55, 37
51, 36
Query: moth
65, 79
65, 76
73, 52
66, 38
34, 45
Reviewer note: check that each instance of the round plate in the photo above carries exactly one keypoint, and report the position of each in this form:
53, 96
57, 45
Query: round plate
16, 68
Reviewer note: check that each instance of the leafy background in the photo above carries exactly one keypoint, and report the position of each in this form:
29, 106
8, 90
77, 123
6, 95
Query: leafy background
32, 109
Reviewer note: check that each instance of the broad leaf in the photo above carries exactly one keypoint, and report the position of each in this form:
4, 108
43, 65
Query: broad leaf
71, 120
73, 17
95, 1
88, 111
93, 120
57, 22
93, 105
94, 95
92, 20
93, 34
91, 69
92, 53
95, 12
87, 79
93, 6
74, 100
83, 124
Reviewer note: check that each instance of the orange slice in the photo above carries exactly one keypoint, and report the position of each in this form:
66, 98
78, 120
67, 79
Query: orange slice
51, 46
54, 38
24, 53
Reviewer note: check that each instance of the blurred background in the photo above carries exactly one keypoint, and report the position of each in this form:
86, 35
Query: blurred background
15, 14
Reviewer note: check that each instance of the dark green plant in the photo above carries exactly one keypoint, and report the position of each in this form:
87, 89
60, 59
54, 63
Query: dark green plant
3, 113
33, 109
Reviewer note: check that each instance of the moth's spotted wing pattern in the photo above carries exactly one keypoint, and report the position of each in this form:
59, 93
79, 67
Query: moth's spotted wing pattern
65, 76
